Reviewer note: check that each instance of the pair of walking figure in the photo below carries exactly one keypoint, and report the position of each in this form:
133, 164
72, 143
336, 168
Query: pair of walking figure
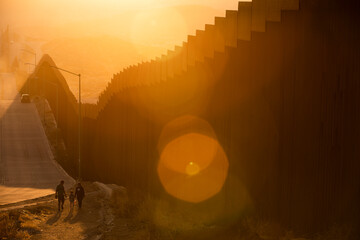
61, 194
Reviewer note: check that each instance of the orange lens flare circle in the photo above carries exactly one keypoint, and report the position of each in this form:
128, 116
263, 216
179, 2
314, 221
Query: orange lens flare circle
193, 167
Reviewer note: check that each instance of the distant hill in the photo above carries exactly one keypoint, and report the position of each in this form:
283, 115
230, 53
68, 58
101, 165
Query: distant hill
97, 59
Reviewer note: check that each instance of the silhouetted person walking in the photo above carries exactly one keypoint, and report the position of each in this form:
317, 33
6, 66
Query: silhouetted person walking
80, 194
60, 195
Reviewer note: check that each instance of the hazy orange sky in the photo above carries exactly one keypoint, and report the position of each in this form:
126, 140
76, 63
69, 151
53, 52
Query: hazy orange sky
91, 36
45, 12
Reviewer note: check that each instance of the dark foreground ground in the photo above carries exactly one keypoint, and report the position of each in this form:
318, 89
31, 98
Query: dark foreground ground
129, 217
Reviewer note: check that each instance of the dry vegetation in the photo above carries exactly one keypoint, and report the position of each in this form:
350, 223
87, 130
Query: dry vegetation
133, 217
21, 224
147, 222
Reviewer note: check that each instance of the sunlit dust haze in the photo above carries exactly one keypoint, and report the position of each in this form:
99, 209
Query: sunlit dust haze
99, 38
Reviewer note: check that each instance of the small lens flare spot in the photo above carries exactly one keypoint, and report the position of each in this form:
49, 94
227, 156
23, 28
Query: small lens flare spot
192, 169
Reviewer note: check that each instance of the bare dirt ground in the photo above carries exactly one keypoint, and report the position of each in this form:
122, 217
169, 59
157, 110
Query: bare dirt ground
74, 223
39, 219
105, 219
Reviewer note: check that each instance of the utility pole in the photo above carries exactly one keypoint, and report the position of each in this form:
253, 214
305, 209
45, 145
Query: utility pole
79, 125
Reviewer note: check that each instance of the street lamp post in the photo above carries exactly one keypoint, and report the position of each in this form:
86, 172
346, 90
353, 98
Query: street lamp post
79, 133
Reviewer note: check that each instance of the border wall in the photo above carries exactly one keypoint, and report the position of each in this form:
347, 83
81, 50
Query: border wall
278, 81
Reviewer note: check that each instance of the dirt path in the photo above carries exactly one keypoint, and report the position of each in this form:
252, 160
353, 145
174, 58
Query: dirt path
89, 222
73, 223
103, 219
42, 220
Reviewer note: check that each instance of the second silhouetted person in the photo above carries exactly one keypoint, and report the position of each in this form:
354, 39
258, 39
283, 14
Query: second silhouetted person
80, 194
